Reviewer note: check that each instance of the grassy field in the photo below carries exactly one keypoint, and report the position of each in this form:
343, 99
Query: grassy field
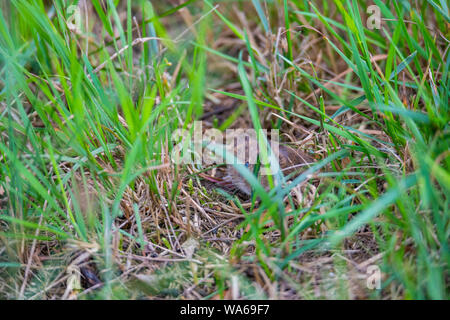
92, 205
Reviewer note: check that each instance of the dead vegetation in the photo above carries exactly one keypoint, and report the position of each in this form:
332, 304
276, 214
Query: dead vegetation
177, 235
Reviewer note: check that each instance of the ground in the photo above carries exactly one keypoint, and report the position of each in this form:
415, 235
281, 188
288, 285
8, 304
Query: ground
93, 203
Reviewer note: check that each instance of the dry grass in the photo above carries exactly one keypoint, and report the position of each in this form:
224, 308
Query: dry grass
178, 236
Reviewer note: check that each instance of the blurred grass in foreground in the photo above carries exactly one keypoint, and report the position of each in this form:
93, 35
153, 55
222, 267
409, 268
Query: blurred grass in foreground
85, 117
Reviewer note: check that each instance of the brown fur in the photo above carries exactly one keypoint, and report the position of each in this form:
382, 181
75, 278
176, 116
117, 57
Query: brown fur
290, 161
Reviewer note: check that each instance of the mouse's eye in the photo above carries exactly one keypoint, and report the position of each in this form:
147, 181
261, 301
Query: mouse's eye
246, 164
